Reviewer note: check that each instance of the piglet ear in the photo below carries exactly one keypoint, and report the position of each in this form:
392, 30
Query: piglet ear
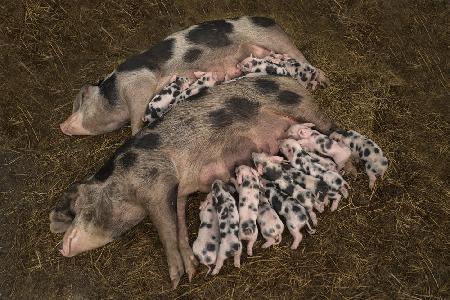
199, 74
254, 172
304, 133
276, 159
239, 179
308, 125
173, 78
259, 168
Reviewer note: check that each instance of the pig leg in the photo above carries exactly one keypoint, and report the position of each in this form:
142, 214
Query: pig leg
250, 243
189, 260
237, 257
296, 234
137, 98
372, 179
335, 202
268, 243
219, 264
162, 215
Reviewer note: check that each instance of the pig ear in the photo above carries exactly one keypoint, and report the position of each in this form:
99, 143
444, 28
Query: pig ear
254, 172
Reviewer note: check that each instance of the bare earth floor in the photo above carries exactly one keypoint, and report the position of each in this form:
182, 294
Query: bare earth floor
388, 62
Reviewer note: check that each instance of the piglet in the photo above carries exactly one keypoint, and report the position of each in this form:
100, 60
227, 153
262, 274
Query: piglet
178, 90
270, 167
206, 245
363, 148
269, 222
247, 184
303, 161
295, 214
312, 140
230, 245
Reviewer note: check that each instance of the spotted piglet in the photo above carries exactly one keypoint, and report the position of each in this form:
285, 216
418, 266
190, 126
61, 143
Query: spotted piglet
178, 90
312, 140
206, 245
295, 214
302, 161
366, 150
270, 167
247, 185
269, 222
230, 245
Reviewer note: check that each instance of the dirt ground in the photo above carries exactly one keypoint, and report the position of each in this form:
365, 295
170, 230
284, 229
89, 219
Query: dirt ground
388, 62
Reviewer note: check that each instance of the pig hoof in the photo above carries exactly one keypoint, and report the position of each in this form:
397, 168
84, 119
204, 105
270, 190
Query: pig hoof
175, 283
189, 261
191, 275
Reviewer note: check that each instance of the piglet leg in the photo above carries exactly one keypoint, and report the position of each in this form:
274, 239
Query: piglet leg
296, 234
268, 243
218, 266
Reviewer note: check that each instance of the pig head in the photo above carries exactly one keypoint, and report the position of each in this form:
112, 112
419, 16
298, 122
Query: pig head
92, 114
90, 219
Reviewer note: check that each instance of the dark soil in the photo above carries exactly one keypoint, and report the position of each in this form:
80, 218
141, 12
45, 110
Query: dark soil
388, 62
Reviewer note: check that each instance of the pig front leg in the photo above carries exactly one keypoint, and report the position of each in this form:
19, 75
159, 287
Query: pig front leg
189, 260
137, 97
162, 214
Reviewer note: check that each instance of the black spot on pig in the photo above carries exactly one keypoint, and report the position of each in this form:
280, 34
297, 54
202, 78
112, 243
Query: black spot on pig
213, 34
272, 174
108, 89
262, 21
366, 152
128, 159
267, 86
236, 246
210, 247
208, 259
150, 59
202, 92
289, 98
105, 171
220, 118
147, 141
242, 108
192, 54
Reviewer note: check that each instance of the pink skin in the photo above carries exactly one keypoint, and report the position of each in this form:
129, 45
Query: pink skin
72, 126
77, 240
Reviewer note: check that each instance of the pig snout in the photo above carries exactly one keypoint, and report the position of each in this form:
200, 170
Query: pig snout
73, 126
77, 240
